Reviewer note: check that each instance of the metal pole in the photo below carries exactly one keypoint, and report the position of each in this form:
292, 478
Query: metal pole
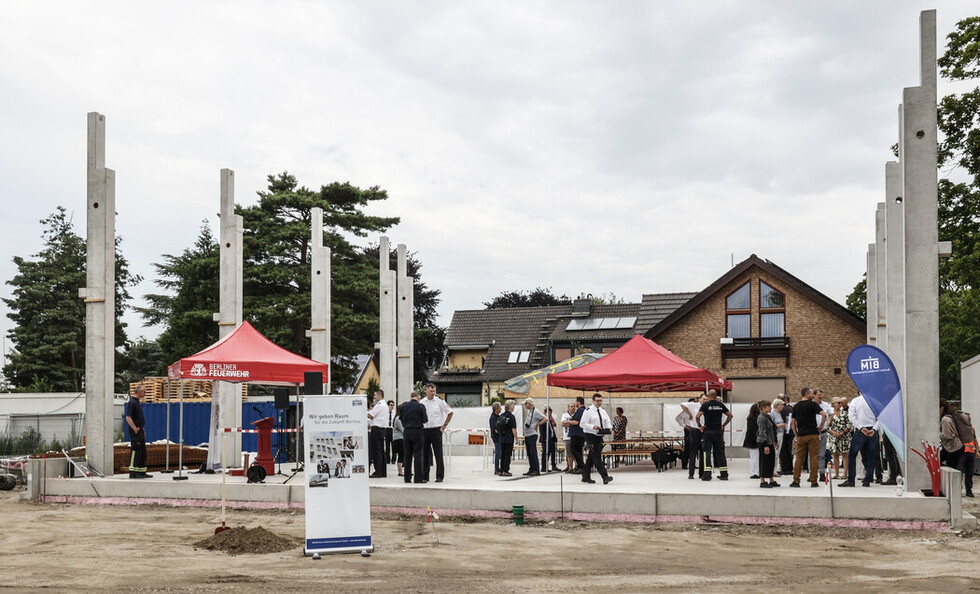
180, 453
296, 466
167, 470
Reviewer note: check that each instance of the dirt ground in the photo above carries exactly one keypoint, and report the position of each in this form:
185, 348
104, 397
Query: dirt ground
76, 548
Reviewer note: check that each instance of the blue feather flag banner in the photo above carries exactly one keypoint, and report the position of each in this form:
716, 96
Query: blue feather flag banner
874, 375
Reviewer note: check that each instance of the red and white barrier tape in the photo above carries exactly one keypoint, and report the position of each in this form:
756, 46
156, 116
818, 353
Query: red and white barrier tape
240, 430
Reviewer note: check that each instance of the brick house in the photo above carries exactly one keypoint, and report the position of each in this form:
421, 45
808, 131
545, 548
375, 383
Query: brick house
767, 331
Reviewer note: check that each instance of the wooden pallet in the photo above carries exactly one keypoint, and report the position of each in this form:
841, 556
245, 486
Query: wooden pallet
159, 389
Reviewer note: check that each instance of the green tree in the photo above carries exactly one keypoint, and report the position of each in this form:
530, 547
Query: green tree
535, 298
137, 360
857, 301
277, 251
186, 310
959, 207
48, 336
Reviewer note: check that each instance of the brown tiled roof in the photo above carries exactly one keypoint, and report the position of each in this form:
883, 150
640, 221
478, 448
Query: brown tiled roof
816, 296
504, 330
657, 306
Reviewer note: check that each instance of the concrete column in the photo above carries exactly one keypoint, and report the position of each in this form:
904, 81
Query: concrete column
100, 300
386, 317
920, 178
320, 295
895, 273
406, 328
881, 303
872, 292
226, 396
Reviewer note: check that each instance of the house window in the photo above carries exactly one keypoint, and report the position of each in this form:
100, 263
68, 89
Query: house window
562, 354
518, 356
739, 317
772, 308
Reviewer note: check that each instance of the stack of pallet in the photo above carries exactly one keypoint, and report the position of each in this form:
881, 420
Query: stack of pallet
159, 389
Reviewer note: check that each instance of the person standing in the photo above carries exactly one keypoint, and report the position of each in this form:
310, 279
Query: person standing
378, 418
839, 442
439, 416
596, 424
137, 434
566, 417
549, 442
824, 427
532, 420
389, 433
683, 419
619, 424
577, 436
713, 435
750, 443
959, 439
694, 460
766, 431
788, 445
808, 417
863, 440
413, 418
494, 416
398, 440
507, 430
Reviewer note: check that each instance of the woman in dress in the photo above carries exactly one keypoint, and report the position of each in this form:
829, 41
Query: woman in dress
839, 442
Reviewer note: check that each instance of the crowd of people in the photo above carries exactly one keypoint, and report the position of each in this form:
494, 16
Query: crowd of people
784, 438
409, 435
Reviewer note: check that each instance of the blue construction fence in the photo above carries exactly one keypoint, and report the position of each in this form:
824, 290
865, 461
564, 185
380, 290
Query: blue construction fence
197, 422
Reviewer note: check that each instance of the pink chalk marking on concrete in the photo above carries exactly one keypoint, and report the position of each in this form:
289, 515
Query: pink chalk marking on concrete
483, 513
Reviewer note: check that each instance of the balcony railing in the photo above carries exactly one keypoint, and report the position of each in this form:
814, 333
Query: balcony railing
756, 348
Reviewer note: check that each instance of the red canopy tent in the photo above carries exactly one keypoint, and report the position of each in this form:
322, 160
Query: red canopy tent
245, 356
640, 365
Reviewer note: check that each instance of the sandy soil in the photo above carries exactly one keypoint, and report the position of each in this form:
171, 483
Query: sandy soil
151, 549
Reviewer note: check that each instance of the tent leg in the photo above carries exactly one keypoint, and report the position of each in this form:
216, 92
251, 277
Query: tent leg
166, 470
180, 453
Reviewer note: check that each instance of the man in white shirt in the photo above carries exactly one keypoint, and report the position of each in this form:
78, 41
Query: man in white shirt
595, 423
533, 418
439, 415
865, 439
694, 459
378, 421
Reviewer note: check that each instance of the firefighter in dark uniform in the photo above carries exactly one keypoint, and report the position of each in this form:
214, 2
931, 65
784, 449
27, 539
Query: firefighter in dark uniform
713, 434
137, 435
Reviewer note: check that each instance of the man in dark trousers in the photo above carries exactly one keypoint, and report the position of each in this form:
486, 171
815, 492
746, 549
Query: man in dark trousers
379, 428
713, 435
413, 418
576, 437
596, 424
808, 418
137, 434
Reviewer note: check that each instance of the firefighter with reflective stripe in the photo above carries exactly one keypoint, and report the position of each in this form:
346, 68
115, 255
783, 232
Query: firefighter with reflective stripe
137, 434
713, 437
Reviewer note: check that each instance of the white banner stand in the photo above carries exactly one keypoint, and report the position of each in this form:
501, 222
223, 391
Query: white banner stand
338, 504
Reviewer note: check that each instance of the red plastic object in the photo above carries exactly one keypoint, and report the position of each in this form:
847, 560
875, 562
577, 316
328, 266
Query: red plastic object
931, 459
264, 455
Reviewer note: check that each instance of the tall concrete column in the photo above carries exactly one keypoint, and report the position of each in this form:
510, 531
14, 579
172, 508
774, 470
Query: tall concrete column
895, 273
881, 304
920, 178
100, 300
406, 328
226, 398
871, 300
386, 316
320, 295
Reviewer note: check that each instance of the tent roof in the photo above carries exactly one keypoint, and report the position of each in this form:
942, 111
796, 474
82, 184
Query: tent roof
640, 365
245, 356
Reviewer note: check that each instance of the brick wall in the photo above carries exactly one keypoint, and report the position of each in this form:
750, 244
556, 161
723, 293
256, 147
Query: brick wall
819, 340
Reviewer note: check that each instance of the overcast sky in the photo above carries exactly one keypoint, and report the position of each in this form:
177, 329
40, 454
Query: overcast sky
604, 147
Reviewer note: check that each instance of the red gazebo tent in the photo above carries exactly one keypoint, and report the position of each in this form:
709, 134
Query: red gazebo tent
640, 365
245, 356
